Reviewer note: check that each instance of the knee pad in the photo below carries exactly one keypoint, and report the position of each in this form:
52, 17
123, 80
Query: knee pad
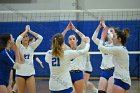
101, 91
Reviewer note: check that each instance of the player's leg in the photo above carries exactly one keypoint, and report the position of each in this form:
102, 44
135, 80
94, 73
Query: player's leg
79, 86
102, 87
14, 88
9, 88
89, 84
30, 83
78, 81
20, 81
110, 85
3, 89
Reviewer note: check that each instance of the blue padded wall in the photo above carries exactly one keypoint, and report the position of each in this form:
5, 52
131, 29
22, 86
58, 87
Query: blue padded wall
48, 29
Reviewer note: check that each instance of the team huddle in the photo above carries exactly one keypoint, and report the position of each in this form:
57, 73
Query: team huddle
70, 65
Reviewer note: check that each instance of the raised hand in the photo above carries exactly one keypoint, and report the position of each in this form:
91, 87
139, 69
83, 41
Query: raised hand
27, 28
103, 21
68, 27
72, 26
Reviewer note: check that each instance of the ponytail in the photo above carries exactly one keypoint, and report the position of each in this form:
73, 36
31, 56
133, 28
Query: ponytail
126, 32
57, 42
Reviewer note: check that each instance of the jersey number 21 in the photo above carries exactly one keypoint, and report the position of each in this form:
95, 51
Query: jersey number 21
55, 61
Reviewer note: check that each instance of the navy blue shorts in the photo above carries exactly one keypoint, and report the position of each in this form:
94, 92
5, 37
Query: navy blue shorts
107, 73
122, 84
88, 72
76, 75
25, 77
2, 82
69, 90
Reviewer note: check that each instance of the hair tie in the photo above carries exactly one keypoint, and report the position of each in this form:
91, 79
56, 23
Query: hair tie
55, 40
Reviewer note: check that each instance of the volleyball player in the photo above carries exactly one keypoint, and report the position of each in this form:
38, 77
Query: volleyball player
7, 57
76, 71
59, 61
77, 64
122, 81
25, 75
107, 66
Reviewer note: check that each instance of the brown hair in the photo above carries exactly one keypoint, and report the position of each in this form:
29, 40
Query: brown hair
75, 37
57, 42
31, 39
124, 34
27, 34
3, 40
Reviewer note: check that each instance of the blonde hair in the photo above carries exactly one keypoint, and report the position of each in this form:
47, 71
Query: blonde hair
57, 42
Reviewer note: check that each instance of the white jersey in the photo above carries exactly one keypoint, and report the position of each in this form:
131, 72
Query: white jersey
120, 60
27, 68
60, 78
106, 58
78, 63
88, 66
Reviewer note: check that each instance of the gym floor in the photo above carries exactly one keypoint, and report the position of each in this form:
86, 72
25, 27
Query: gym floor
42, 86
